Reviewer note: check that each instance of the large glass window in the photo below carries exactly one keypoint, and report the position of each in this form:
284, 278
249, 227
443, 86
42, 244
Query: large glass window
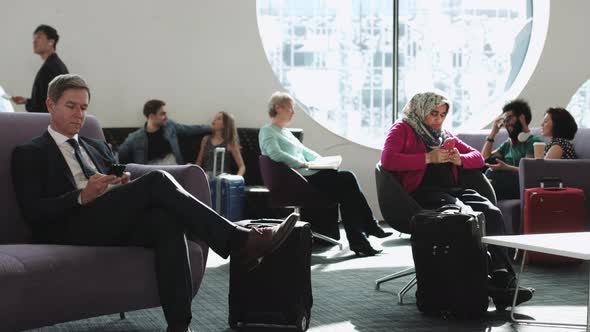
337, 57
471, 50
579, 105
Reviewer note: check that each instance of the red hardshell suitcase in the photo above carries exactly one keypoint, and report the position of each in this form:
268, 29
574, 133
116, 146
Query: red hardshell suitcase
553, 210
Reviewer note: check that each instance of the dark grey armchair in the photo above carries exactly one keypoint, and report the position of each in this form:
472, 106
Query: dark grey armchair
44, 284
397, 208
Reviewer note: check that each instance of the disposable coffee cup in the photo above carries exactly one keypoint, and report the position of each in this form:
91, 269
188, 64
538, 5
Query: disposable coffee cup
539, 150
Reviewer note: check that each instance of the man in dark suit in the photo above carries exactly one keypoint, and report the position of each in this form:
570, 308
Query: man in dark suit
65, 195
45, 40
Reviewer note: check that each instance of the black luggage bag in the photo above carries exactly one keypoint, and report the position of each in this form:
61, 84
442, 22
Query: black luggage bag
450, 261
278, 291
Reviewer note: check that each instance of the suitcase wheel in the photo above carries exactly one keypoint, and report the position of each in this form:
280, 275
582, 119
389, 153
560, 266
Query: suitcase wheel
302, 322
233, 323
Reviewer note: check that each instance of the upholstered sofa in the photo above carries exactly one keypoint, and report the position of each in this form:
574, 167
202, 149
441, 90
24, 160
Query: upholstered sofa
44, 284
574, 173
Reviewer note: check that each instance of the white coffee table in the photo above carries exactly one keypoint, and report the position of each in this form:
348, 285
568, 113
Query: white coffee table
575, 245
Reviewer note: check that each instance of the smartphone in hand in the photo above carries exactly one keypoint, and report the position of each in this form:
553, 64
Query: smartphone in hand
492, 160
117, 170
449, 144
501, 120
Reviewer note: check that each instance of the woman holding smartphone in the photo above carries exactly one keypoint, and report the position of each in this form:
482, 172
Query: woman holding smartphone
419, 153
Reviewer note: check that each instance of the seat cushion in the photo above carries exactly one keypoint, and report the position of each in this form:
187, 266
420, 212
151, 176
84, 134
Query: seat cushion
55, 283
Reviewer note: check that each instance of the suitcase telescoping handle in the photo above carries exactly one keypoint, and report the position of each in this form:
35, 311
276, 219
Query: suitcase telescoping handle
217, 151
449, 208
545, 179
221, 151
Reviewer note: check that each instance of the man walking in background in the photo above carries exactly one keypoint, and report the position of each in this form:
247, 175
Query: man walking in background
45, 40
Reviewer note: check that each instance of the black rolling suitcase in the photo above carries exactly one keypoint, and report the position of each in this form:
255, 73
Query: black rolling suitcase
450, 261
278, 291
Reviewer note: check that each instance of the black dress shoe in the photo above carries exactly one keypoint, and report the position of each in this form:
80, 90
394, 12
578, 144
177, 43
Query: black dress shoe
501, 288
377, 231
365, 250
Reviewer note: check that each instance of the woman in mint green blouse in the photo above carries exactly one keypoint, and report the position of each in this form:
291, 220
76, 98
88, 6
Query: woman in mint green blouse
281, 145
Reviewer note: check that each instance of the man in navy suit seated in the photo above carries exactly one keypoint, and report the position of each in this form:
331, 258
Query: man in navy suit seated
66, 195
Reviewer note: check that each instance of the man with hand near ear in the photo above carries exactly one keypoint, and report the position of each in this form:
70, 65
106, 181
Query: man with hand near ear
45, 40
503, 162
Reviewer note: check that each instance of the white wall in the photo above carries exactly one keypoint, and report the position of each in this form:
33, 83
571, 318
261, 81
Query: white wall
201, 56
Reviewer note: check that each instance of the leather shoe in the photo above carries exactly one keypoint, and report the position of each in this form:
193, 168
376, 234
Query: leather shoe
501, 288
376, 231
263, 241
364, 249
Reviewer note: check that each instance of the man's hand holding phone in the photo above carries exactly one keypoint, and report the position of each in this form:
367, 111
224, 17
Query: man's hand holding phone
119, 171
499, 165
99, 183
96, 186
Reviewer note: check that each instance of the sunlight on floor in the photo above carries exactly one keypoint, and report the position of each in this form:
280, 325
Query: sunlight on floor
571, 314
214, 260
335, 327
336, 259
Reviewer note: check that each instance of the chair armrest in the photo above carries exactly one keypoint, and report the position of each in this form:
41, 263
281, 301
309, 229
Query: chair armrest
300, 192
191, 177
573, 172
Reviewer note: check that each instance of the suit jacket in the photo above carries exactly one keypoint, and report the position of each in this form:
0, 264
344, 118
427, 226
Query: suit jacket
52, 67
45, 187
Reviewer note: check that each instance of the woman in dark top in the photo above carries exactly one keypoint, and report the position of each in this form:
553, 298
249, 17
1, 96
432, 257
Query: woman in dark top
224, 136
560, 125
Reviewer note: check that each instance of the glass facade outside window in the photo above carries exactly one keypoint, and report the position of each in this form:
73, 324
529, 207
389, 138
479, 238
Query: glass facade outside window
580, 104
337, 57
470, 50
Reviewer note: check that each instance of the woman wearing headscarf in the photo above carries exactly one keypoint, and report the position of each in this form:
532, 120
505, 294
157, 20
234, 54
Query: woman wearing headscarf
425, 159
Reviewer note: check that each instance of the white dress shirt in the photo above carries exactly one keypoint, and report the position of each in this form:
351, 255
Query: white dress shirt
70, 156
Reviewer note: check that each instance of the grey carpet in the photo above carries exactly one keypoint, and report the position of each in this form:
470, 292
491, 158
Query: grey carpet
345, 298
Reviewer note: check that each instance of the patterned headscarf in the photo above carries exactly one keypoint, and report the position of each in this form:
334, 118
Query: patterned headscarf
416, 111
